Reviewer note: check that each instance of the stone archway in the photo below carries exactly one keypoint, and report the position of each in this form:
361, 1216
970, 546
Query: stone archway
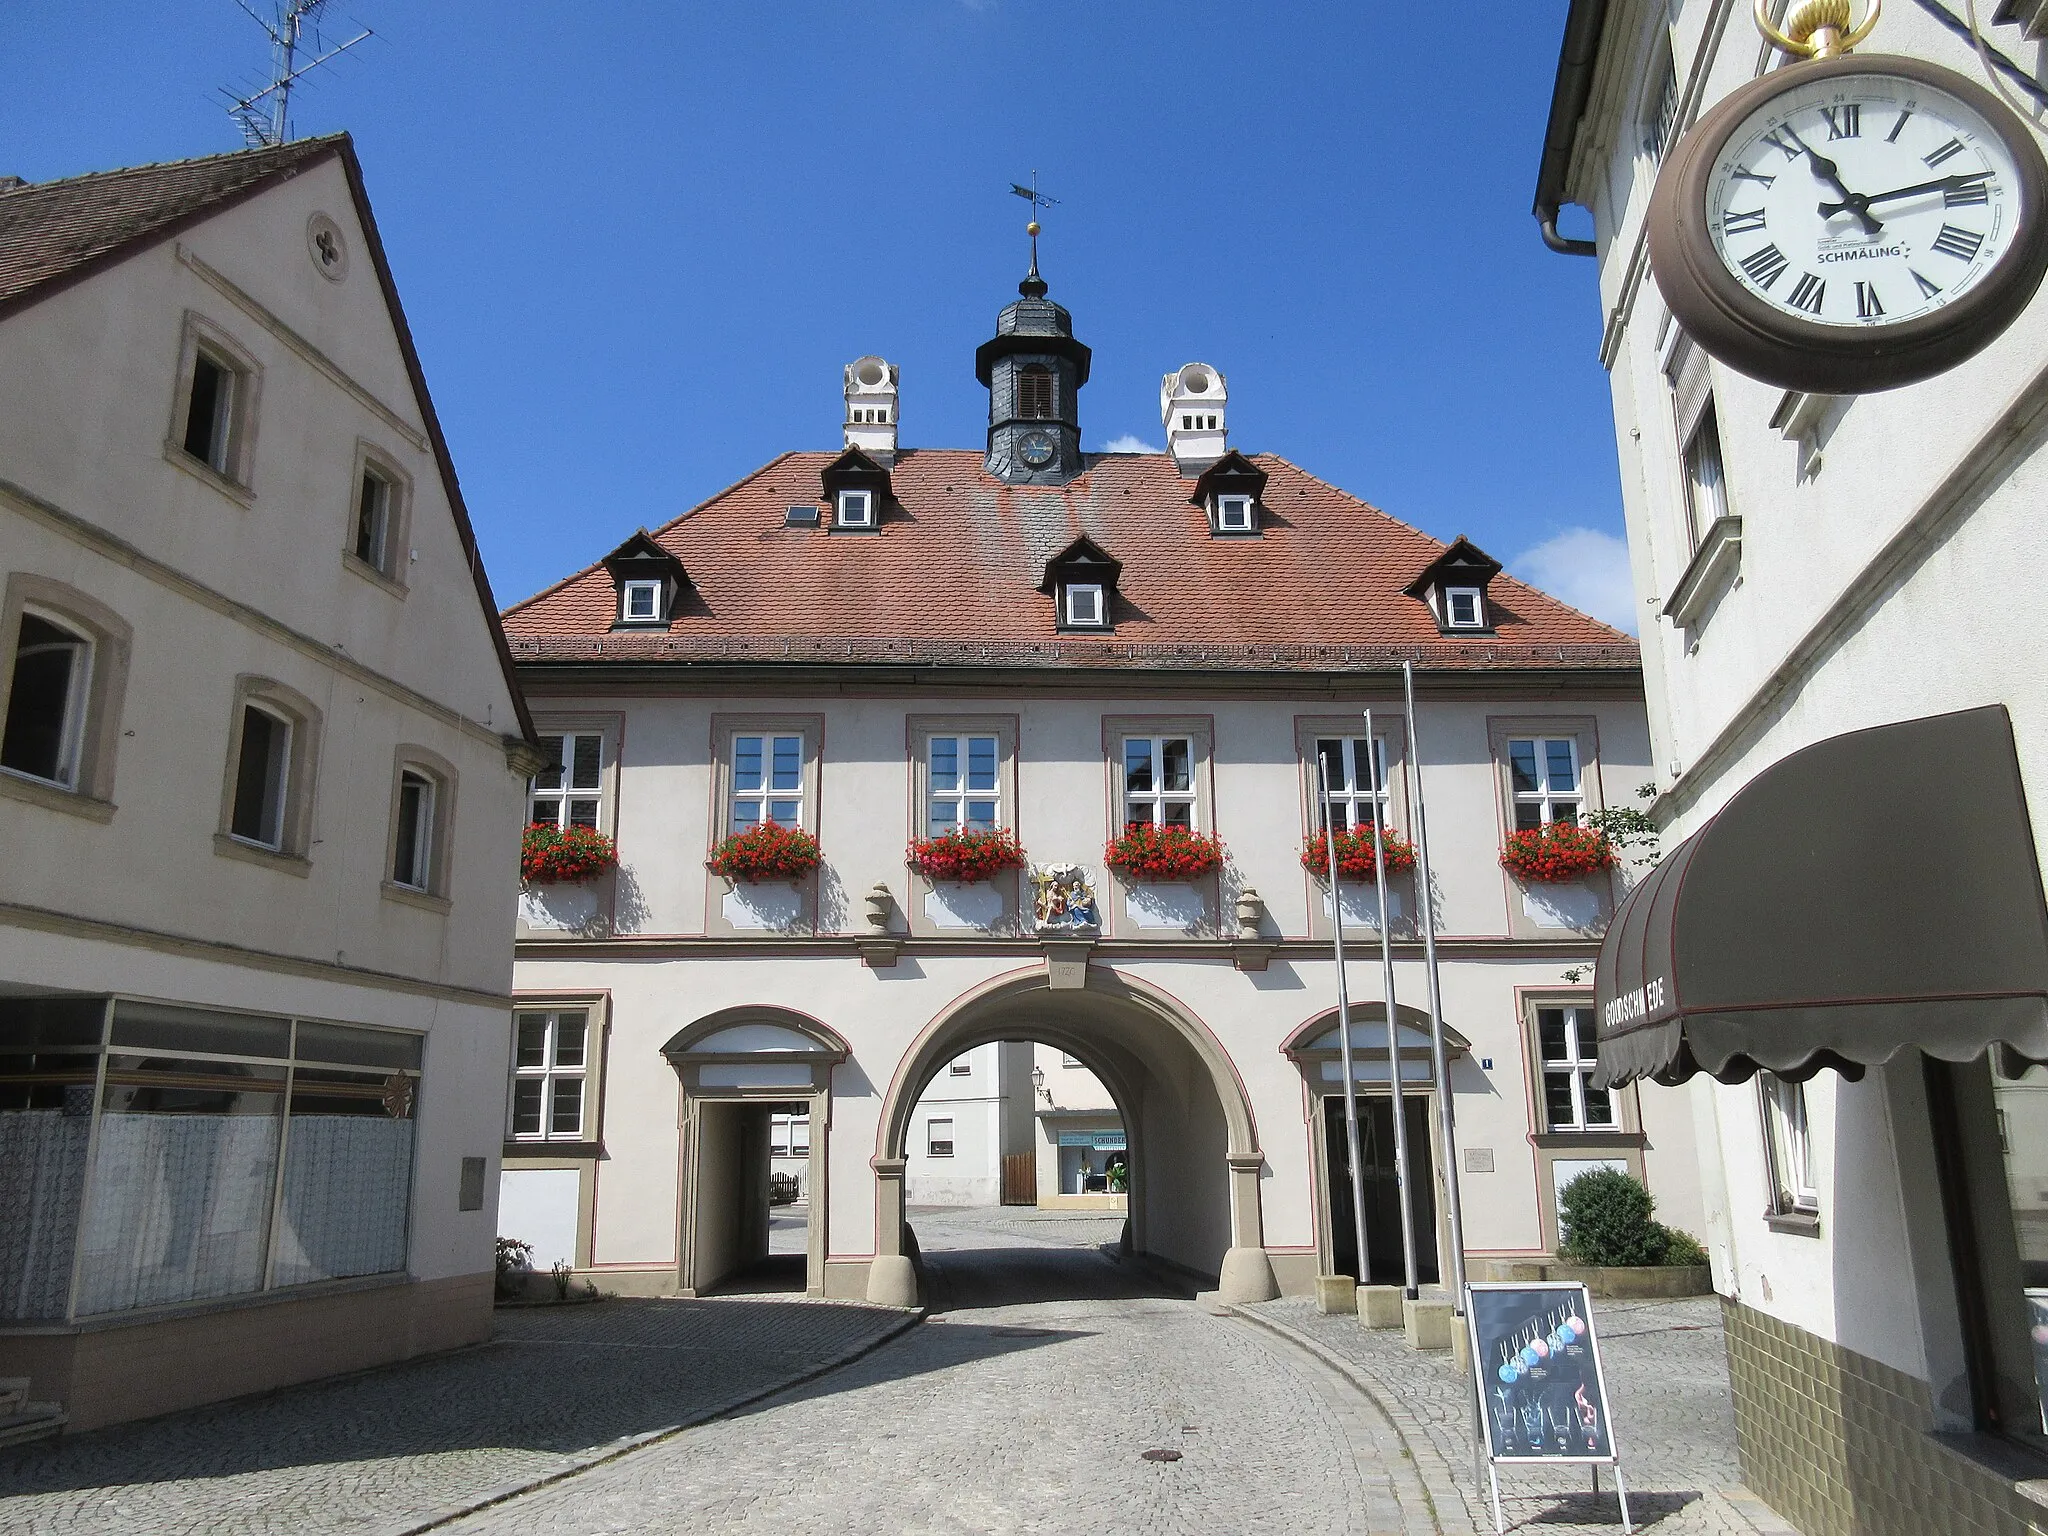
731, 1065
1195, 1160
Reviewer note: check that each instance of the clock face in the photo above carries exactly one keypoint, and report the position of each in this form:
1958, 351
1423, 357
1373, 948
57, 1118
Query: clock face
1037, 448
1863, 199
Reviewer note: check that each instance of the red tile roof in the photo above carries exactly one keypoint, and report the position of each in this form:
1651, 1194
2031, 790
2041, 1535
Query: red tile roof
951, 578
60, 229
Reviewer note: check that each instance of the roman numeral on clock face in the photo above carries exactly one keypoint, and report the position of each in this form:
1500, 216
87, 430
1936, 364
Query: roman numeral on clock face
1947, 152
1733, 223
1893, 136
1844, 122
1867, 306
1765, 266
1808, 292
1927, 290
1959, 243
1791, 149
1973, 191
1741, 175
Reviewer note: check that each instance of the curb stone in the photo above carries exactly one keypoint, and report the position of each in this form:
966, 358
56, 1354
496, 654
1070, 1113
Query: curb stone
614, 1449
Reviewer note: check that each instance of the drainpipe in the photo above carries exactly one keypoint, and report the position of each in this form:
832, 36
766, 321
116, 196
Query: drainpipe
1583, 28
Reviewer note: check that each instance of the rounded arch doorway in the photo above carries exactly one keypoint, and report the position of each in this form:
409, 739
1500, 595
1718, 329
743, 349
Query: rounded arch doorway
1194, 1157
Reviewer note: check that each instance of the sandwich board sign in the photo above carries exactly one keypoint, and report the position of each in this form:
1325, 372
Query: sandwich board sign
1542, 1396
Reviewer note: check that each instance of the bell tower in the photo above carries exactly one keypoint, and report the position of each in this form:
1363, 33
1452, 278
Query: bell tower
1033, 369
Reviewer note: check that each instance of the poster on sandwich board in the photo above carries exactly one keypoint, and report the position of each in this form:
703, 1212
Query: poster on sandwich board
1538, 1367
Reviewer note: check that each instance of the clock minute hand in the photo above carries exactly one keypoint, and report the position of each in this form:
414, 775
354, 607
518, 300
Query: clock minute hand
1944, 184
1828, 172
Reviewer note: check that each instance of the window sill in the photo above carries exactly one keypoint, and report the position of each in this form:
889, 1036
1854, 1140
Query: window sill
411, 896
1590, 1138
234, 490
1794, 1223
229, 846
542, 1151
54, 797
371, 574
1716, 561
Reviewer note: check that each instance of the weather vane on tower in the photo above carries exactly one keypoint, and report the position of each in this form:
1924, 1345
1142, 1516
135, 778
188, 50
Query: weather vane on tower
1037, 200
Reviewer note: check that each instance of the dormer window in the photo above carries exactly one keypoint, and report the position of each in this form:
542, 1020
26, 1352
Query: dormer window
855, 509
642, 602
649, 580
1083, 606
1234, 514
1464, 608
1081, 580
1453, 588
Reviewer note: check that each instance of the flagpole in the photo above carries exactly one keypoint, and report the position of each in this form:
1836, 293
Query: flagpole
1379, 860
1344, 1033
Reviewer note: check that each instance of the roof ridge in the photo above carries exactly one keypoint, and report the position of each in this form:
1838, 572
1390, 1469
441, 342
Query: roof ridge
656, 533
250, 151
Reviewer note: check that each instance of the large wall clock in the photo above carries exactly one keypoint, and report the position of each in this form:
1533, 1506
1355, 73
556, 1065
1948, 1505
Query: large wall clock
1851, 224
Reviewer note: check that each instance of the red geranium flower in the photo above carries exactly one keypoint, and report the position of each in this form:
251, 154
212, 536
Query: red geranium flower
1556, 853
766, 852
965, 855
1355, 854
551, 855
1146, 852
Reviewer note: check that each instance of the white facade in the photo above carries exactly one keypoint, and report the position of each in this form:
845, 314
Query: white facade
964, 1124
1874, 541
344, 897
1080, 1134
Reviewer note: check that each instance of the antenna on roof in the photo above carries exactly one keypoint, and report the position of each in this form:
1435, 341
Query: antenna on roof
291, 25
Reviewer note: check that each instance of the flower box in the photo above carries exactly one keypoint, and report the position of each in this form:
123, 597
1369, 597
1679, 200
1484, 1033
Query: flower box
766, 852
1355, 859
1557, 853
551, 855
1148, 853
966, 856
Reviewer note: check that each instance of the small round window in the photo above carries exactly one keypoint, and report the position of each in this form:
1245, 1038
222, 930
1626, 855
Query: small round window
324, 243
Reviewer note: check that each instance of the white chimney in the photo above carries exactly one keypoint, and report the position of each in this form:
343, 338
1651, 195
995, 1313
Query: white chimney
1191, 403
871, 408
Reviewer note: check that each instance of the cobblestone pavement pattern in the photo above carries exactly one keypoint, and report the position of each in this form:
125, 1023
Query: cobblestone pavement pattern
386, 1450
1024, 1405
1667, 1383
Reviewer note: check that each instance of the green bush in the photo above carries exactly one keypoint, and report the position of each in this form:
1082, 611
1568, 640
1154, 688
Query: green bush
1682, 1247
1608, 1220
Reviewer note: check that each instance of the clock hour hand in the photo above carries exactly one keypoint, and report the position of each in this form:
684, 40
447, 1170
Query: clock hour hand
1828, 172
1944, 184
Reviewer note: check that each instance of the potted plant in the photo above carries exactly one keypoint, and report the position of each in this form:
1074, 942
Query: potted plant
1557, 853
766, 852
1355, 859
966, 855
552, 855
1149, 854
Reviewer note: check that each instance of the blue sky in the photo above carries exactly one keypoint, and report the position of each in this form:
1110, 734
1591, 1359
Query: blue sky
637, 242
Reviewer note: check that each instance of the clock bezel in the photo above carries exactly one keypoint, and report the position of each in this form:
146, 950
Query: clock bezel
1758, 339
1025, 442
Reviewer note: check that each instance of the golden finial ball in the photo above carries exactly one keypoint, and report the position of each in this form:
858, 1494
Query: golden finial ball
1031, 229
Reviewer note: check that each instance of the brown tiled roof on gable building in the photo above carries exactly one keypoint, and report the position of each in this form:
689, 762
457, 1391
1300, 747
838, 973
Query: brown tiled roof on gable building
59, 230
952, 577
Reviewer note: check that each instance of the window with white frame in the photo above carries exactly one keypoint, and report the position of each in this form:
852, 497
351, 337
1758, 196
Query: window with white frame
413, 846
47, 700
938, 1138
856, 509
1069, 1061
962, 1066
767, 781
210, 405
1343, 759
1570, 1051
963, 792
373, 521
1234, 514
789, 1135
1464, 608
1706, 487
1159, 780
262, 777
1787, 1147
549, 1069
1544, 774
569, 791
1083, 605
640, 602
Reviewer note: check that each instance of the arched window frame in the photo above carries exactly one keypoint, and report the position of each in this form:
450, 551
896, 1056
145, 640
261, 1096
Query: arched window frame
422, 763
90, 788
301, 770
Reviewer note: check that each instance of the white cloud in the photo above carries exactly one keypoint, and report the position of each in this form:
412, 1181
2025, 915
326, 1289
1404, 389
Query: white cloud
1130, 442
1586, 568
